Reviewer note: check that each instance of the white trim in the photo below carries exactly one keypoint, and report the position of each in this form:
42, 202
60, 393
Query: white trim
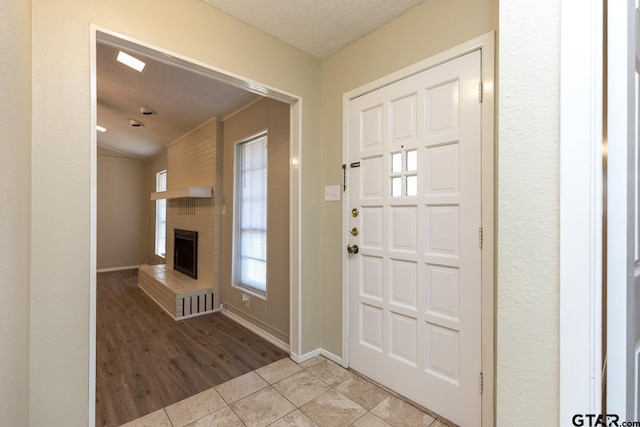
486, 45
489, 230
102, 35
318, 352
620, 207
93, 225
482, 42
256, 330
580, 207
345, 235
236, 214
295, 228
181, 193
120, 268
118, 40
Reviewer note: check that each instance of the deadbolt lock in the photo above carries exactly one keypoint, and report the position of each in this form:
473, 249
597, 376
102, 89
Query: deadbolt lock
355, 212
354, 231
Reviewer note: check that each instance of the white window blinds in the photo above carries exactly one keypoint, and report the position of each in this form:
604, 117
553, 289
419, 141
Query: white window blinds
161, 215
251, 214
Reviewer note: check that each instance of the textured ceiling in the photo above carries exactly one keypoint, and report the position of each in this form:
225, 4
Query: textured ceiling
183, 100
317, 27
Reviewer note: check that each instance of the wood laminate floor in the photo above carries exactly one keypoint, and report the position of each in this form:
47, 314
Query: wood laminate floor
146, 360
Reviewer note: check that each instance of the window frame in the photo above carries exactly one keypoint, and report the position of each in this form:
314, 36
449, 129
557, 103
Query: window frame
236, 282
160, 204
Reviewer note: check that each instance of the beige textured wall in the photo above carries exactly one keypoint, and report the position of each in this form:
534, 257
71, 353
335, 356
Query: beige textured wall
429, 28
155, 165
15, 193
122, 210
528, 224
62, 181
195, 160
271, 315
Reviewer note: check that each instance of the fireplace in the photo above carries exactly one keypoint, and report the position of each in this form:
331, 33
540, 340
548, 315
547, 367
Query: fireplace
185, 252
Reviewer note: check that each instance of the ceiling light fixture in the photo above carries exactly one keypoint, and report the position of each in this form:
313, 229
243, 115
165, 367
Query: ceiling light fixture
135, 123
130, 61
101, 129
147, 111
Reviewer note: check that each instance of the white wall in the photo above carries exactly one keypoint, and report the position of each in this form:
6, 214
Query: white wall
15, 193
62, 178
528, 225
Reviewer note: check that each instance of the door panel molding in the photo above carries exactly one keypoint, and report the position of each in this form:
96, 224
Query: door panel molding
485, 44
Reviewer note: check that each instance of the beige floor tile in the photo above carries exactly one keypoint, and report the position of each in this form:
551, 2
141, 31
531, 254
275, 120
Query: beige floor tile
370, 420
279, 370
401, 414
294, 419
301, 388
362, 392
313, 361
262, 408
155, 419
330, 372
255, 403
333, 409
240, 387
223, 417
194, 407
438, 423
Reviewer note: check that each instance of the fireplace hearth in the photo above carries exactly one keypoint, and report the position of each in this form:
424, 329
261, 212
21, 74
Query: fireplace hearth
185, 252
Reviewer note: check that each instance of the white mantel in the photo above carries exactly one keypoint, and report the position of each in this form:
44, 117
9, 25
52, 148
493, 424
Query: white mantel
181, 193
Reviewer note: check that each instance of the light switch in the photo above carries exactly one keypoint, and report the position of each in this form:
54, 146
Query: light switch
332, 193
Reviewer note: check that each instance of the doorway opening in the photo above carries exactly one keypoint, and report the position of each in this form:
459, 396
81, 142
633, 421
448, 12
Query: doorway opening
101, 36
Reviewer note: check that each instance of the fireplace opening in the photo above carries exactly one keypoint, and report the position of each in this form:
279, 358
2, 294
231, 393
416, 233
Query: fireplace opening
185, 252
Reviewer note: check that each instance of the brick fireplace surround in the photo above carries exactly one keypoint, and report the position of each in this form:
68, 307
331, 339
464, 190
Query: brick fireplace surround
193, 160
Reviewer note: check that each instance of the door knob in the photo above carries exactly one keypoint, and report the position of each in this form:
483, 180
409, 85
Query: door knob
352, 249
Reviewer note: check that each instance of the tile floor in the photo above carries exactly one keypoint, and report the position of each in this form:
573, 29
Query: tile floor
317, 392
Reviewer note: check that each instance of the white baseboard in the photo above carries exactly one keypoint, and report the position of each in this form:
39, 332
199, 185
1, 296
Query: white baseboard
124, 267
253, 328
317, 352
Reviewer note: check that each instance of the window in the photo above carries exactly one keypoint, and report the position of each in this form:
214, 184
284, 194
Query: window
161, 215
250, 240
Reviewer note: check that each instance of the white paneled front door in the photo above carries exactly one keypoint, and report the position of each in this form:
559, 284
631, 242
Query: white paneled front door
415, 216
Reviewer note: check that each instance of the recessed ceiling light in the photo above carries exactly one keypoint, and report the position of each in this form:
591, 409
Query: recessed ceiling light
147, 111
136, 124
130, 61
101, 129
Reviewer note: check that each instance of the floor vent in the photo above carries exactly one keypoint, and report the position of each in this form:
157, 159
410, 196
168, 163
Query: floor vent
197, 304
179, 295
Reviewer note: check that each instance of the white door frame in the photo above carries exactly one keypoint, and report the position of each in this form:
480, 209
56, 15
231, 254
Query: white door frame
485, 44
621, 233
99, 34
581, 84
